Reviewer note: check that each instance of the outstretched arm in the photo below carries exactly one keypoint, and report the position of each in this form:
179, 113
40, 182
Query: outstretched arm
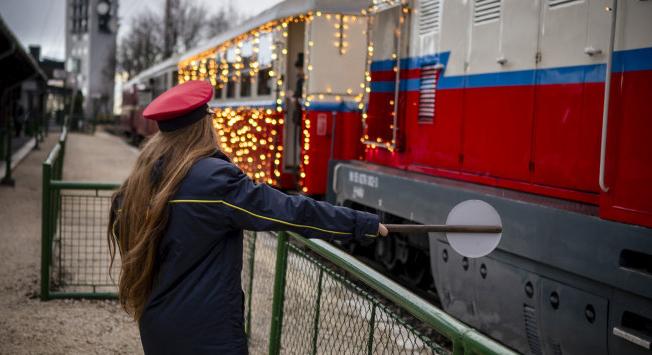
252, 206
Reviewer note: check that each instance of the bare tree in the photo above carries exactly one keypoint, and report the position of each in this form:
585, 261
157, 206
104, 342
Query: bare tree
184, 24
192, 22
222, 20
142, 46
187, 23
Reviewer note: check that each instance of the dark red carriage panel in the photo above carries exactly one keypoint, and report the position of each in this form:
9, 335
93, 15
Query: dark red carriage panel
325, 144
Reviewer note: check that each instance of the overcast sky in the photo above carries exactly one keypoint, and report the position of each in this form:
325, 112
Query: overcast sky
42, 21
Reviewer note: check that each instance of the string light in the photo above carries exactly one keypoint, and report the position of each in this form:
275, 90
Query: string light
373, 143
252, 136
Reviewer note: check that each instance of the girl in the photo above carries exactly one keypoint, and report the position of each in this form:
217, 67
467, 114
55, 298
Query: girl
177, 222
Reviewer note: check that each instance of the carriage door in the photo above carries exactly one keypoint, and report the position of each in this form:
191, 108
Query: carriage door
573, 40
389, 43
499, 91
292, 126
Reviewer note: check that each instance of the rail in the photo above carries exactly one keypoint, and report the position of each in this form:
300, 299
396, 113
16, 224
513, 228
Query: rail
74, 253
301, 295
319, 288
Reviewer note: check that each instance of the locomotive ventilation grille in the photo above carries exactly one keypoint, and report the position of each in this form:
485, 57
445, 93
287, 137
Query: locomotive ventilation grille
485, 11
560, 3
429, 17
531, 329
427, 88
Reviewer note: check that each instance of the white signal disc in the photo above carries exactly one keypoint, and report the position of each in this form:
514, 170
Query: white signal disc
473, 213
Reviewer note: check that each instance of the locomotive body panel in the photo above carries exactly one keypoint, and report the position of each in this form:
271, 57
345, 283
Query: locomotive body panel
518, 100
543, 255
505, 100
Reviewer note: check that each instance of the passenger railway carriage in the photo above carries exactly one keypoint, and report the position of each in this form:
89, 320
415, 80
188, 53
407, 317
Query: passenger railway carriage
138, 92
409, 107
503, 101
277, 128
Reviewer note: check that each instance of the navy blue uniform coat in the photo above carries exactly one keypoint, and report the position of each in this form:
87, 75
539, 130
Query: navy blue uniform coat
196, 304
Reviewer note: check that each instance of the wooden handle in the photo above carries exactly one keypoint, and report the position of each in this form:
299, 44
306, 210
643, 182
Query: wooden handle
442, 228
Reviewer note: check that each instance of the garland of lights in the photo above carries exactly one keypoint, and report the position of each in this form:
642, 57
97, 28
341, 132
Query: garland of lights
252, 137
376, 6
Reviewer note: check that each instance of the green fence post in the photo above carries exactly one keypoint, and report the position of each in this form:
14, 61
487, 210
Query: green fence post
8, 180
252, 259
2, 142
279, 294
315, 330
372, 326
45, 231
458, 346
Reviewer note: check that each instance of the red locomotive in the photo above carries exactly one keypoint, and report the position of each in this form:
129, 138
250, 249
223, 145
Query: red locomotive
503, 101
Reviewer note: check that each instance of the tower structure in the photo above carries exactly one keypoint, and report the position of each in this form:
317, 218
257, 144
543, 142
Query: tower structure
91, 29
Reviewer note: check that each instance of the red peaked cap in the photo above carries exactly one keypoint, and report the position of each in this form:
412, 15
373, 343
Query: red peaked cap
181, 105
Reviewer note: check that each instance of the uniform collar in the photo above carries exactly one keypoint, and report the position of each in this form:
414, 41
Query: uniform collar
219, 155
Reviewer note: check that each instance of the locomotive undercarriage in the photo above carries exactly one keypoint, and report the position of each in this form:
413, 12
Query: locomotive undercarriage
405, 257
562, 281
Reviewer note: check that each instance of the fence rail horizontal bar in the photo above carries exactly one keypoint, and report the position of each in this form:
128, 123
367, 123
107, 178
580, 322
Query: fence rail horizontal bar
54, 154
83, 185
86, 295
450, 327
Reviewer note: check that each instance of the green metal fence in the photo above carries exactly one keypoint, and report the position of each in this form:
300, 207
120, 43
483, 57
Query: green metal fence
322, 300
74, 249
301, 296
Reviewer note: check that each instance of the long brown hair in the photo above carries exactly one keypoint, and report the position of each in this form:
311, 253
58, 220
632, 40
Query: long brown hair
138, 226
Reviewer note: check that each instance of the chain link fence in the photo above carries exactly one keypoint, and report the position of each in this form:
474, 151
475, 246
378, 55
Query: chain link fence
324, 301
301, 296
74, 219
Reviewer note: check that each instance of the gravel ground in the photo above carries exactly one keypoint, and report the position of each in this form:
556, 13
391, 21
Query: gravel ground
27, 325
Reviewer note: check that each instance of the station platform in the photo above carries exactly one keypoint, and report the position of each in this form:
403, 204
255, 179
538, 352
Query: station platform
27, 325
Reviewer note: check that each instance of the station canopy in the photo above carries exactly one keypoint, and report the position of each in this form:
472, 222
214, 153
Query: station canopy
17, 64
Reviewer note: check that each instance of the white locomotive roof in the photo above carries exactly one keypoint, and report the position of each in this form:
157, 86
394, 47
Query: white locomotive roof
170, 63
282, 10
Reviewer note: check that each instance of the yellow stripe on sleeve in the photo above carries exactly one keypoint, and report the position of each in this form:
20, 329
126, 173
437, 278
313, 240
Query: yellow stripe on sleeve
260, 216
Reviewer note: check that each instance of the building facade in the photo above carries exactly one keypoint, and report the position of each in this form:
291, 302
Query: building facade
91, 29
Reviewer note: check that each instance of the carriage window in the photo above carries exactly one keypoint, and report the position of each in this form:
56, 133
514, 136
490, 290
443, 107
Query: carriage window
247, 55
222, 73
264, 87
231, 70
215, 67
245, 78
265, 64
265, 50
230, 84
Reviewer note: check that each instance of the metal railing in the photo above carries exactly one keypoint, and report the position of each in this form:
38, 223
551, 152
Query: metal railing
326, 301
74, 218
301, 296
